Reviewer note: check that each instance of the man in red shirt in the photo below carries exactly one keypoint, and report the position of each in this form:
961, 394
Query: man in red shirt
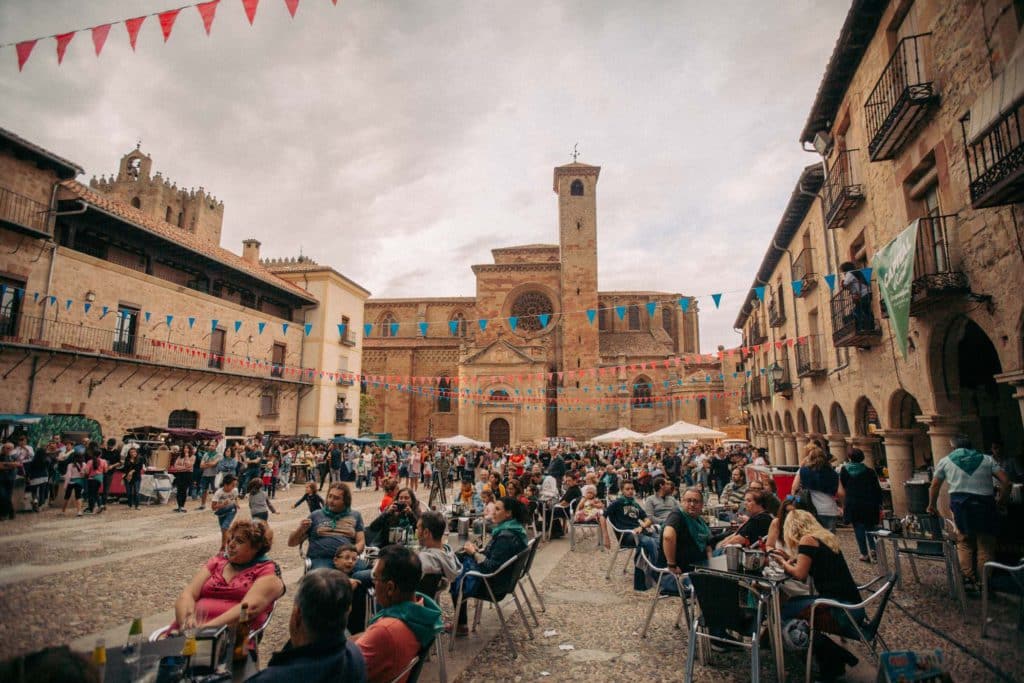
406, 624
517, 460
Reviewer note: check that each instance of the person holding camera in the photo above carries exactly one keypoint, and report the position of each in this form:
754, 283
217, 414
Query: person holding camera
402, 513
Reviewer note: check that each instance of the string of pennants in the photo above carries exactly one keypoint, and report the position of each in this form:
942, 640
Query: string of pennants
207, 13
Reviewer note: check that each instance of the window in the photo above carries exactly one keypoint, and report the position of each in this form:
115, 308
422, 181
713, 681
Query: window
642, 393
341, 411
127, 329
529, 307
217, 339
576, 189
181, 219
167, 216
602, 319
277, 358
10, 307
346, 325
183, 419
268, 403
702, 409
136, 202
500, 395
234, 434
444, 395
200, 283
247, 299
668, 320
634, 317
387, 326
459, 328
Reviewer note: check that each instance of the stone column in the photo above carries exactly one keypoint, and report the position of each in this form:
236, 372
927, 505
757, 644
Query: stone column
940, 430
769, 443
837, 447
866, 444
1016, 380
801, 445
779, 446
789, 442
899, 456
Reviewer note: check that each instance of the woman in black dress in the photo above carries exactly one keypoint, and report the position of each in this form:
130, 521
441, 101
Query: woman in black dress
861, 497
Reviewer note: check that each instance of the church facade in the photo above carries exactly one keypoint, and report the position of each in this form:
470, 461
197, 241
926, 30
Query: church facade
540, 351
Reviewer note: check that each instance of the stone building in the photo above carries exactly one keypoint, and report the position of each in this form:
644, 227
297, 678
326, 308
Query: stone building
539, 350
118, 303
918, 123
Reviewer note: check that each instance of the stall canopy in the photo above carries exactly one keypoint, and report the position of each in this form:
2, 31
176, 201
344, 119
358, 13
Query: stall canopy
193, 433
465, 441
619, 435
683, 431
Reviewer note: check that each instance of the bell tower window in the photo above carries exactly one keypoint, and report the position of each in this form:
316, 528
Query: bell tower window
576, 189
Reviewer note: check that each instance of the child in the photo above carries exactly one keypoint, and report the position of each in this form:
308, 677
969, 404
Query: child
224, 505
311, 498
259, 502
345, 562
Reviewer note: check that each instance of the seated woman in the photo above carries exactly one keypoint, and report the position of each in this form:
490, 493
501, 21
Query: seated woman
468, 498
508, 539
775, 537
243, 573
494, 482
401, 514
331, 527
817, 554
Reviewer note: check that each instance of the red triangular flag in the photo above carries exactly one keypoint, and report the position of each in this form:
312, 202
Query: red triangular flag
133, 26
62, 44
250, 9
292, 5
99, 37
24, 49
207, 10
167, 21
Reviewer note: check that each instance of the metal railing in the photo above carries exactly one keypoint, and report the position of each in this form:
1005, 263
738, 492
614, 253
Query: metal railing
808, 357
57, 335
776, 309
900, 98
804, 270
842, 189
20, 210
342, 415
995, 162
784, 384
758, 391
757, 336
853, 323
933, 266
345, 379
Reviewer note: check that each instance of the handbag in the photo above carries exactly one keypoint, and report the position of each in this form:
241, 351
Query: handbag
804, 502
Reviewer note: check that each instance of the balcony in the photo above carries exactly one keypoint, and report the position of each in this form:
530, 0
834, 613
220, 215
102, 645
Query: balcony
776, 311
804, 271
808, 358
342, 415
345, 379
934, 274
757, 336
784, 384
853, 323
995, 160
901, 100
348, 340
744, 397
842, 191
57, 336
23, 214
757, 390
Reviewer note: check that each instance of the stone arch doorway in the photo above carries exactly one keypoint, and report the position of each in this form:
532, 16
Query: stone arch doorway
818, 421
903, 413
839, 423
801, 421
499, 432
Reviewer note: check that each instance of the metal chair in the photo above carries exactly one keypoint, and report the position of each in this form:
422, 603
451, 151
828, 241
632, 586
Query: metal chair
945, 553
255, 636
574, 525
532, 547
1017, 574
723, 609
619, 534
407, 671
307, 563
661, 591
499, 584
435, 585
866, 632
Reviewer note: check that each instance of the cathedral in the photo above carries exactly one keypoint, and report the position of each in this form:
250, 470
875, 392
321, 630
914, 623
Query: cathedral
540, 351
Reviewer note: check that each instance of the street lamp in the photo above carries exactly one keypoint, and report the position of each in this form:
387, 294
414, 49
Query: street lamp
776, 372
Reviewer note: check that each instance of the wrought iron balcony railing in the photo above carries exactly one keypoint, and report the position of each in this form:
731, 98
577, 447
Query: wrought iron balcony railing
24, 214
345, 380
935, 275
758, 391
901, 100
784, 384
853, 323
808, 357
776, 311
757, 335
342, 415
805, 271
842, 191
995, 161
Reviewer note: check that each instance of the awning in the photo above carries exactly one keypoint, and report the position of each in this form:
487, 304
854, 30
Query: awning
20, 418
620, 435
683, 431
460, 440
1000, 98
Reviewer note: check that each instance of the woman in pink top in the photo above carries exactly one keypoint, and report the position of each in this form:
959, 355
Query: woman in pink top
95, 468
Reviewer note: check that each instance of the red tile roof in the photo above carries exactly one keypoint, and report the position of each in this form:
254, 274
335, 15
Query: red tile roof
142, 221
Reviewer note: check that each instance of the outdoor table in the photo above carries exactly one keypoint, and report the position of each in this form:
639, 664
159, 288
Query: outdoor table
117, 671
901, 543
770, 586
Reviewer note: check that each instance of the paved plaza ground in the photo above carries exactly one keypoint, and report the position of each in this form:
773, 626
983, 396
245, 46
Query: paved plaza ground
67, 579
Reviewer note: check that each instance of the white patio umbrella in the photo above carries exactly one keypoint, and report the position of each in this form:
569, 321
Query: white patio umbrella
460, 440
683, 431
619, 435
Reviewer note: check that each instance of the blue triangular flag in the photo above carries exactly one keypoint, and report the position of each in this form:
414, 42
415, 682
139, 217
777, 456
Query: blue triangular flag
483, 324
591, 314
367, 329
87, 306
717, 298
760, 292
798, 287
67, 304
830, 280
105, 311
191, 321
453, 327
684, 304
544, 318
620, 311
170, 319
35, 296
53, 301
652, 306
513, 321
867, 274
238, 326
260, 327
341, 330
148, 315
213, 324
423, 329
394, 329
308, 327
284, 328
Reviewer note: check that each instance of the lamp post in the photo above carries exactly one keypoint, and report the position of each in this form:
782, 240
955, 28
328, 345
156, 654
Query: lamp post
776, 372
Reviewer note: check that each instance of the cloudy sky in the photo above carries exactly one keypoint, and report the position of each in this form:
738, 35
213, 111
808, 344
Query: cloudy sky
400, 141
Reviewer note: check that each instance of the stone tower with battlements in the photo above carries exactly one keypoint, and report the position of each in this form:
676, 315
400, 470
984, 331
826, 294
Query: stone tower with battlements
192, 210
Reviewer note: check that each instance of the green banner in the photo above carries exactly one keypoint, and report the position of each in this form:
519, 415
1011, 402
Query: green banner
893, 265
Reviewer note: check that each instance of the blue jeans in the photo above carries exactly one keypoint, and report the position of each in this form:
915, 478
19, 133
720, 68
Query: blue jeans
828, 521
860, 531
131, 488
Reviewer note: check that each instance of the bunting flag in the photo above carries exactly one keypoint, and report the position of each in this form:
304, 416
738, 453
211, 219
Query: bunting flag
307, 328
292, 5
35, 295
191, 323
591, 314
453, 328
105, 311
170, 319
250, 9
167, 21
513, 322
67, 305
367, 329
684, 304
260, 327
760, 292
717, 298
207, 10
147, 315
99, 37
798, 287
830, 280
423, 328
133, 26
24, 49
284, 328
544, 318
62, 44
867, 275
620, 311
394, 329
238, 326
652, 306
341, 330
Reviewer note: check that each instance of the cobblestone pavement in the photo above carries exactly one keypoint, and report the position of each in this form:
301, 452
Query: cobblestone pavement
63, 577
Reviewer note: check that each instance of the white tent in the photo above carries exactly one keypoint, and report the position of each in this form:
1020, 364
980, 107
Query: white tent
618, 436
465, 441
683, 431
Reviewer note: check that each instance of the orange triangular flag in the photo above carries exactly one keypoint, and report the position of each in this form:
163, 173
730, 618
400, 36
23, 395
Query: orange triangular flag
24, 49
207, 10
62, 44
99, 37
167, 21
250, 9
133, 26
292, 5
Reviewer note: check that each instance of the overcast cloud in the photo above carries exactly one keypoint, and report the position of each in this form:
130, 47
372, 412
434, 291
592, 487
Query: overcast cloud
400, 141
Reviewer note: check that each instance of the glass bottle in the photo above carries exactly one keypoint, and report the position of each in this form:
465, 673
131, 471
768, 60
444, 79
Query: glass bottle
242, 634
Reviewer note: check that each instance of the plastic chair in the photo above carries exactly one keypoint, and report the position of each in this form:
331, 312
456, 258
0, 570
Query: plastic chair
723, 609
661, 592
499, 584
1017, 574
574, 525
867, 632
619, 534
